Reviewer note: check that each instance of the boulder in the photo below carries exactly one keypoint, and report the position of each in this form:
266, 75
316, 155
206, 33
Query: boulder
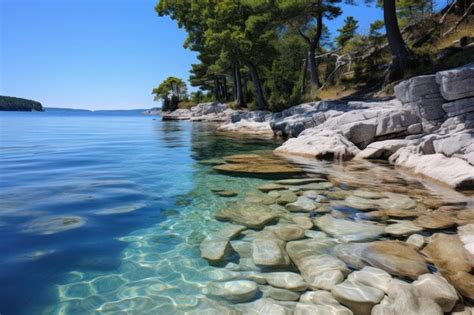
348, 231
456, 83
254, 165
438, 289
320, 144
402, 228
441, 250
286, 280
416, 240
359, 298
319, 270
302, 204
287, 232
300, 181
402, 300
214, 250
234, 291
270, 187
246, 127
422, 95
454, 172
382, 149
279, 294
395, 257
286, 196
318, 297
372, 277
458, 107
250, 215
269, 253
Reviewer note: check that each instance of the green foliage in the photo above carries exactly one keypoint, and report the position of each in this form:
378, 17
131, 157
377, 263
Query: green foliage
8, 103
171, 91
347, 32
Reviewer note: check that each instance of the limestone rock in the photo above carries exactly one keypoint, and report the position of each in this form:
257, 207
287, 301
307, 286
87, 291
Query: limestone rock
302, 204
382, 149
235, 291
372, 277
358, 297
459, 107
250, 215
248, 127
402, 300
325, 144
287, 232
271, 187
214, 250
466, 234
269, 253
456, 83
348, 231
286, 196
265, 306
286, 280
441, 249
416, 240
402, 228
438, 289
319, 270
318, 297
279, 294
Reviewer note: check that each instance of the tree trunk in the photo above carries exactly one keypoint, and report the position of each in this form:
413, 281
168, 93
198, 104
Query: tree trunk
217, 89
313, 67
397, 45
261, 104
239, 95
303, 75
224, 88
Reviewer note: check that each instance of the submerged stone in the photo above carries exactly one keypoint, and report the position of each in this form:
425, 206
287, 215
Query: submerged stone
358, 297
269, 253
286, 280
53, 224
348, 231
234, 291
250, 215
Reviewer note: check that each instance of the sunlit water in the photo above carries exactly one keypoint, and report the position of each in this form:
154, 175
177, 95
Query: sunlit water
105, 213
131, 202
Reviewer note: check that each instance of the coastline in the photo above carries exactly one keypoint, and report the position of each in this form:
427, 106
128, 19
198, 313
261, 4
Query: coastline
427, 128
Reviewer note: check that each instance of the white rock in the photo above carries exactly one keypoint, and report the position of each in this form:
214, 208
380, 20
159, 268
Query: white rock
456, 83
286, 280
438, 289
372, 277
357, 297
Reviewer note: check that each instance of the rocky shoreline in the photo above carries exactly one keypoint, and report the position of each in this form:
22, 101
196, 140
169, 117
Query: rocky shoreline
427, 128
354, 239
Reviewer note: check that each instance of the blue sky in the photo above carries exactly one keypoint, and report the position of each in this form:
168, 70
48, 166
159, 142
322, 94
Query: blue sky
98, 54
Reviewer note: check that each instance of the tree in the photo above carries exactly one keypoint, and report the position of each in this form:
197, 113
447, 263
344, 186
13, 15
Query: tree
347, 31
397, 45
308, 17
171, 91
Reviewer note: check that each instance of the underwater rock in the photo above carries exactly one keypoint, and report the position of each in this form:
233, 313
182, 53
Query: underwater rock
359, 298
372, 277
53, 224
311, 309
348, 231
438, 289
287, 232
302, 204
402, 228
286, 280
279, 294
251, 215
269, 253
254, 165
441, 250
234, 291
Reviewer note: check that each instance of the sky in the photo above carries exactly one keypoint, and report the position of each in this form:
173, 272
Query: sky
99, 54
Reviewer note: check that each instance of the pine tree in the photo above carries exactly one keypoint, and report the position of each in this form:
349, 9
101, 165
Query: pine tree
347, 31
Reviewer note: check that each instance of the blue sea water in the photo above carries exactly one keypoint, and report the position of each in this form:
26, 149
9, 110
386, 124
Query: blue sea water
104, 212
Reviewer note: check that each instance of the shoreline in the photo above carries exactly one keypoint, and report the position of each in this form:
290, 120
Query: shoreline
427, 129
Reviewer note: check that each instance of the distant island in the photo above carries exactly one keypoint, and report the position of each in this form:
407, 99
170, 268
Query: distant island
8, 103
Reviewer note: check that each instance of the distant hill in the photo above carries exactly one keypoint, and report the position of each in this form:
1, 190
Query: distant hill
8, 103
92, 112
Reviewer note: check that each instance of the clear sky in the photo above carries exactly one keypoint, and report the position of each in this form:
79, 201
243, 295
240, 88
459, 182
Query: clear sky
98, 54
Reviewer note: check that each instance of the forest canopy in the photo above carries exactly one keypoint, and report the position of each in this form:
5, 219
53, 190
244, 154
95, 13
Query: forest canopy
273, 54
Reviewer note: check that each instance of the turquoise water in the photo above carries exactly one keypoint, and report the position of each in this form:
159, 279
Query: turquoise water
105, 213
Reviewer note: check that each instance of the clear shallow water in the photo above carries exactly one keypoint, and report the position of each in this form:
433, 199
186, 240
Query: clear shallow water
104, 214
101, 213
